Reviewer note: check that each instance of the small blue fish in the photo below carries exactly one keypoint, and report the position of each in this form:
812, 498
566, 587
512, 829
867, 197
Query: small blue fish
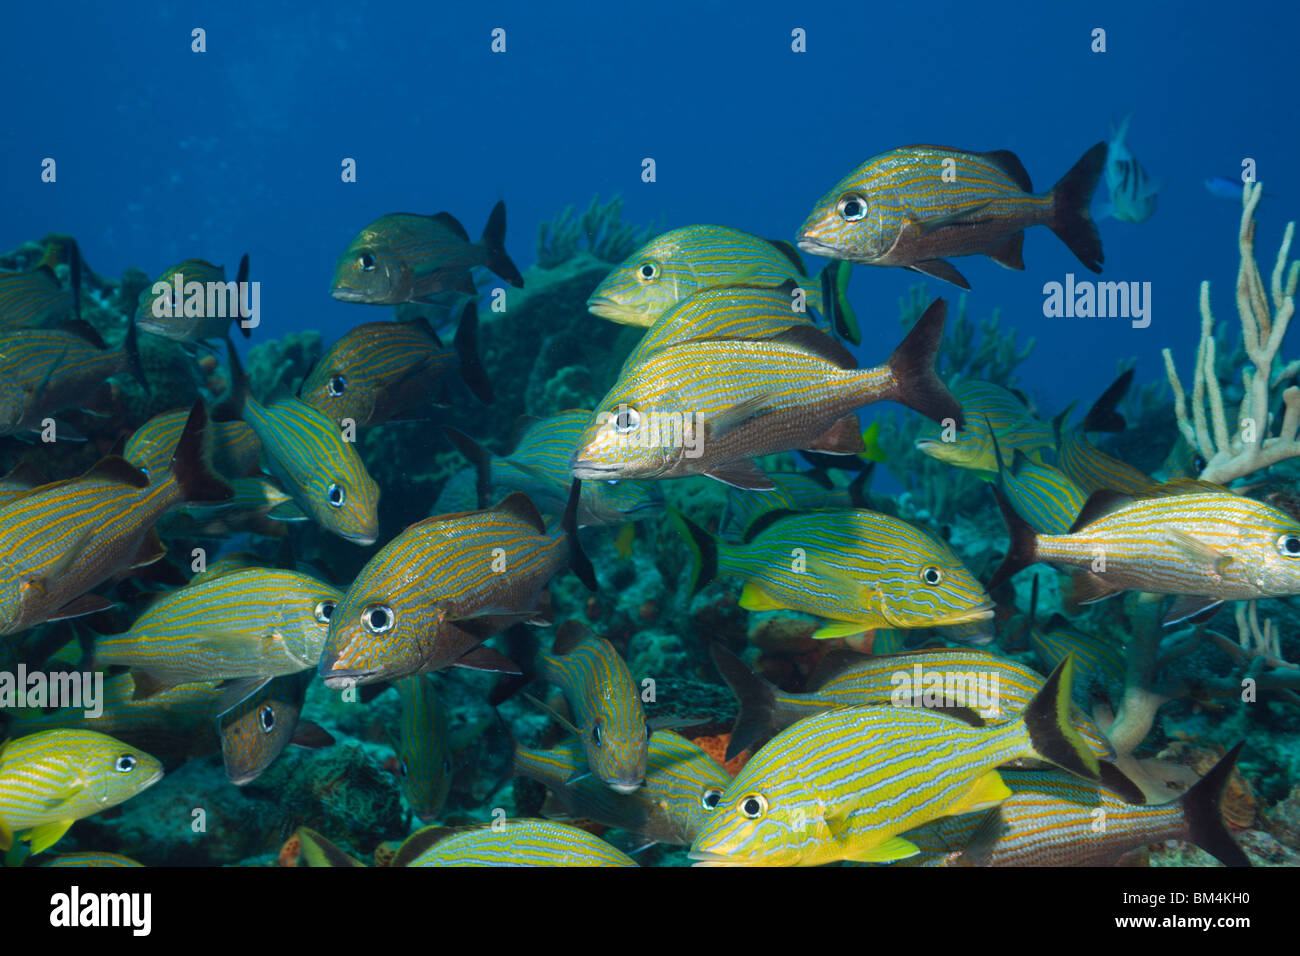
1222, 188
1132, 192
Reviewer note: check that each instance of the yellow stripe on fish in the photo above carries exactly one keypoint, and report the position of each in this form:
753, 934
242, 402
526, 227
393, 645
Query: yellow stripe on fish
520, 842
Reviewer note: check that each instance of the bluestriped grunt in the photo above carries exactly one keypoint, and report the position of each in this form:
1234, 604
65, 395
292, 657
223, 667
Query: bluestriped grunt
197, 303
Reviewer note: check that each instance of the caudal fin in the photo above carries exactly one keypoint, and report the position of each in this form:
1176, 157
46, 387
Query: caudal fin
192, 463
1202, 807
916, 384
232, 406
1071, 220
704, 550
478, 456
1104, 416
1051, 735
494, 241
132, 348
834, 281
579, 563
471, 367
756, 722
1024, 543
242, 280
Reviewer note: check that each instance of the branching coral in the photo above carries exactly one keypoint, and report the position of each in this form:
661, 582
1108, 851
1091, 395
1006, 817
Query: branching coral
1233, 455
607, 236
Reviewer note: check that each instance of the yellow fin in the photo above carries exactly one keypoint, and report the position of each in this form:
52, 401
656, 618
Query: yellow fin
1199, 551
840, 629
623, 543
895, 848
988, 791
871, 442
47, 834
754, 598
6, 837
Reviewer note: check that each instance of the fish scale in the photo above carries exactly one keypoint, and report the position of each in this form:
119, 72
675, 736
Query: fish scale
424, 746
48, 370
236, 450
521, 842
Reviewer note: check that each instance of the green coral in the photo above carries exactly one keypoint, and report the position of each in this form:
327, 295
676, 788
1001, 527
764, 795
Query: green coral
607, 237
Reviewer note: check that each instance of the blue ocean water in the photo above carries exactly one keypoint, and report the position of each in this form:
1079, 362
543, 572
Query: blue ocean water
164, 153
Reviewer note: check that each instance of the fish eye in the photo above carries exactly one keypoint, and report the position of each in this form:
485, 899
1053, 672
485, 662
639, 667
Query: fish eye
378, 618
367, 260
266, 719
627, 421
338, 384
1199, 463
648, 271
595, 734
324, 611
337, 496
1289, 545
931, 575
852, 207
125, 763
753, 806
710, 798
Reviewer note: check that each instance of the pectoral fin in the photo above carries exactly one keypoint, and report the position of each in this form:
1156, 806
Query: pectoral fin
287, 511
940, 269
741, 473
953, 218
988, 791
732, 418
47, 834
895, 848
1200, 552
754, 598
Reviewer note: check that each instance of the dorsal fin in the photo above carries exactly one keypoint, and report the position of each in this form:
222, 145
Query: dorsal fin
84, 331
765, 521
521, 506
819, 343
451, 222
790, 252
570, 634
1010, 164
1100, 503
119, 469
422, 323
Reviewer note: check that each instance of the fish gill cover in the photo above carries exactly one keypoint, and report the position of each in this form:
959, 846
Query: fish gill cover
453, 438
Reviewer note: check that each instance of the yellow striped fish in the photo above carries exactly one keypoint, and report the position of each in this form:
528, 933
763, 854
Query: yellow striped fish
50, 780
257, 622
442, 587
1097, 657
856, 569
256, 730
604, 701
845, 784
539, 467
60, 540
46, 371
1188, 538
405, 257
682, 786
259, 506
383, 370
989, 685
793, 491
236, 451
24, 476
1091, 469
204, 309
913, 206
307, 454
1056, 819
710, 406
520, 842
684, 261
423, 747
993, 414
35, 296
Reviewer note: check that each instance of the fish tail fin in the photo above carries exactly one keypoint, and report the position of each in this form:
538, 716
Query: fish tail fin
131, 345
318, 851
1024, 542
916, 383
521, 646
494, 241
834, 281
478, 456
578, 560
704, 550
192, 462
74, 277
232, 406
242, 279
1051, 735
1071, 197
1103, 415
1202, 808
471, 366
756, 721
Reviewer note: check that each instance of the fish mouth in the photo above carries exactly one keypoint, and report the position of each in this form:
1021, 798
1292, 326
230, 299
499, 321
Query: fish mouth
348, 295
982, 612
619, 786
811, 244
594, 471
365, 538
607, 308
157, 775
341, 680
